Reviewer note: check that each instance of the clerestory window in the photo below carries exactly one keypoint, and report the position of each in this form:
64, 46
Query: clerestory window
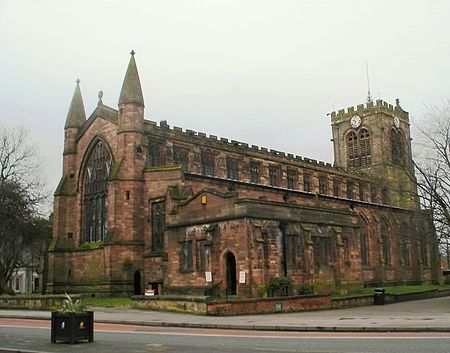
232, 169
307, 181
156, 154
274, 176
207, 163
323, 181
291, 179
180, 156
254, 172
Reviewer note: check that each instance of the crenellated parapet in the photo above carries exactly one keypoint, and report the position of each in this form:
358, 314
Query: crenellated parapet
222, 143
370, 108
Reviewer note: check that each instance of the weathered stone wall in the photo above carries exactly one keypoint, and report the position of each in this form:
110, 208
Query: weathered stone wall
35, 302
203, 305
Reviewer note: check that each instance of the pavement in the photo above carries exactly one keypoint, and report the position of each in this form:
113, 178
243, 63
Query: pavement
414, 316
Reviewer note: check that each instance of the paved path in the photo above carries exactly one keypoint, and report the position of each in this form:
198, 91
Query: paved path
420, 315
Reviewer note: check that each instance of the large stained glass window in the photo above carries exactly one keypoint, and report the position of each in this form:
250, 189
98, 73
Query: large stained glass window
95, 197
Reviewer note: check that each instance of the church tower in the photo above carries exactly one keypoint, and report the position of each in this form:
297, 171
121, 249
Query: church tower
375, 139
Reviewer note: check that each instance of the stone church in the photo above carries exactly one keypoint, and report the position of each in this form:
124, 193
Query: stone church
142, 203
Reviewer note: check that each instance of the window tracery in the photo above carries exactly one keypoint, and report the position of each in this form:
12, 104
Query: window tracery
207, 163
158, 225
156, 154
95, 197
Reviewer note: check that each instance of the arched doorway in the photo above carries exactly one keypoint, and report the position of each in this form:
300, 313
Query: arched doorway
230, 268
137, 283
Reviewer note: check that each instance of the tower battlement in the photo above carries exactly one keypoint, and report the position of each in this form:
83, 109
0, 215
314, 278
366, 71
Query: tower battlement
362, 109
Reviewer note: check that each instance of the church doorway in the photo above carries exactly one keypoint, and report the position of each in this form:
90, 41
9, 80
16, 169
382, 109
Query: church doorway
230, 267
137, 283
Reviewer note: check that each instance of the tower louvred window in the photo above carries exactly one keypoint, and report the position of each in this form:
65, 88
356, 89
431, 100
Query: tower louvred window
95, 198
359, 149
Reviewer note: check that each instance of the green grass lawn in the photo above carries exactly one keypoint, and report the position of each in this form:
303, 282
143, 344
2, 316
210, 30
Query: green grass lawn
407, 289
107, 302
397, 289
126, 301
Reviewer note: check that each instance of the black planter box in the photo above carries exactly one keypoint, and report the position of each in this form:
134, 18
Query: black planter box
72, 327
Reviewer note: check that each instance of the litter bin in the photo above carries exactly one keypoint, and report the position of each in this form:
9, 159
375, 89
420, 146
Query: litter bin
378, 297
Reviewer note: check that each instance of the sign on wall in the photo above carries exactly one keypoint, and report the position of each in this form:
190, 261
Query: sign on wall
208, 276
242, 276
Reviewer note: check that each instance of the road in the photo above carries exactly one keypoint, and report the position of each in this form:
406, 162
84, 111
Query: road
17, 335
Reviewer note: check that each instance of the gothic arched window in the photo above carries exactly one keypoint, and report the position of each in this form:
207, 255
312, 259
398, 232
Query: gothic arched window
364, 243
95, 197
358, 149
158, 225
397, 148
405, 250
384, 229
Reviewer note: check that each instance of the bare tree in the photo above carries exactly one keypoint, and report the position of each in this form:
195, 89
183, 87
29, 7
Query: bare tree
23, 230
432, 163
19, 163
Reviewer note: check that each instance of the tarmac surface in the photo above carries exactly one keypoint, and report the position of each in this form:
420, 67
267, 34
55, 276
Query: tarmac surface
414, 316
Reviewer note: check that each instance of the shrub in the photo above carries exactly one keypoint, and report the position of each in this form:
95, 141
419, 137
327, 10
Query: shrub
279, 286
306, 289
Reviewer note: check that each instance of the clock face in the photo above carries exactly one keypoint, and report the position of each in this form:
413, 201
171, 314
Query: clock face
355, 121
396, 121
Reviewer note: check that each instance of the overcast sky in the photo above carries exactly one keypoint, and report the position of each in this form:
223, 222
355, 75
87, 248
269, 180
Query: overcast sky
261, 72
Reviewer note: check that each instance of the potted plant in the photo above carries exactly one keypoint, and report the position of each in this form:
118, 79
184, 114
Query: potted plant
72, 322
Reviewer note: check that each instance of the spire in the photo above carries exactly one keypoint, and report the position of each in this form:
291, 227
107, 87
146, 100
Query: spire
76, 115
131, 88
